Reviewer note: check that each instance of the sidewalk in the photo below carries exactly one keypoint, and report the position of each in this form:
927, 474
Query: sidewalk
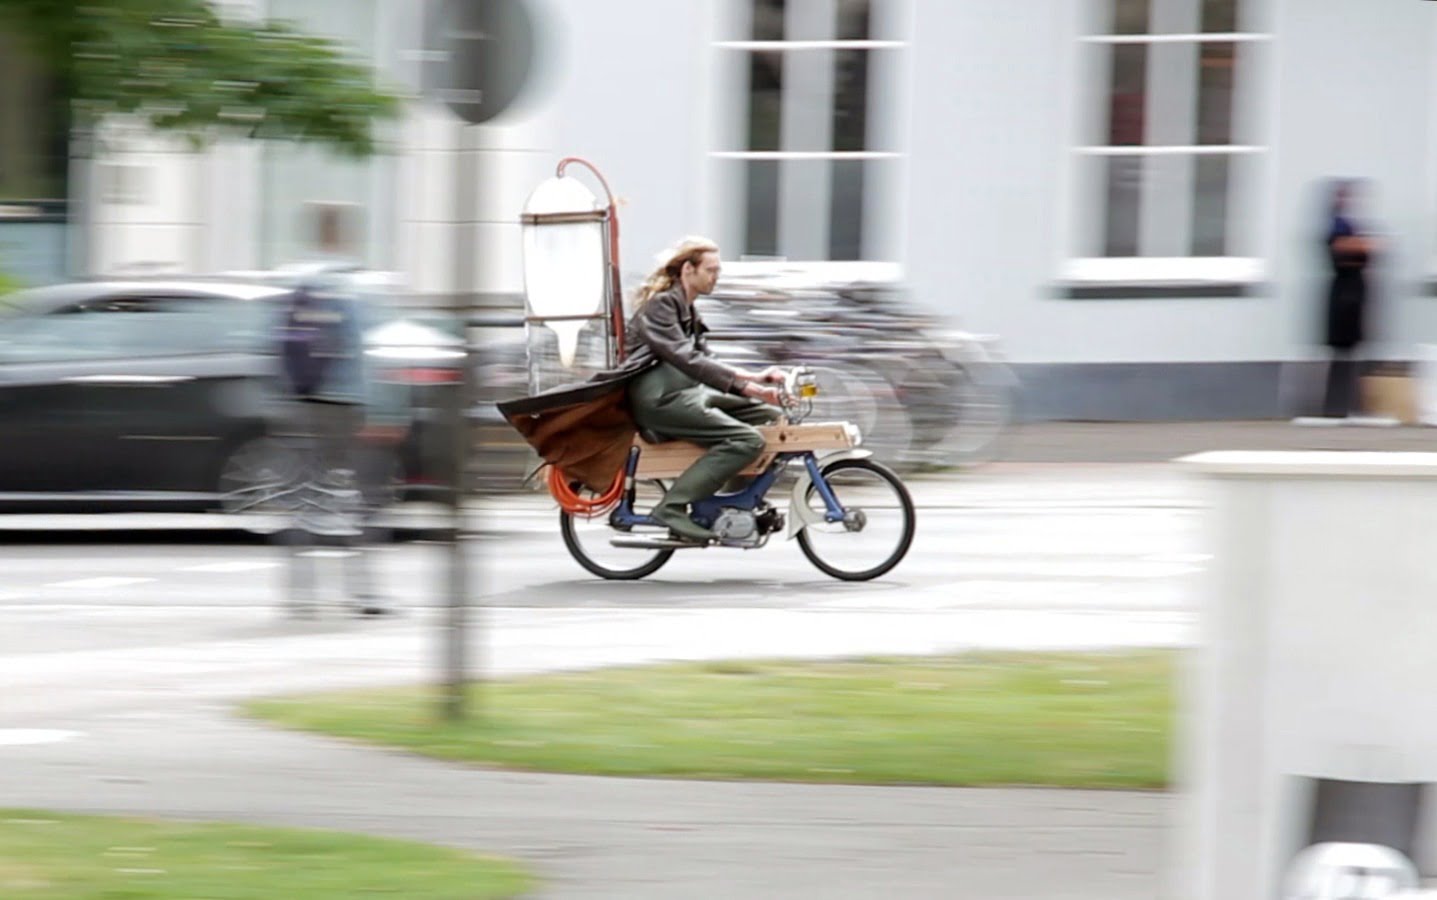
1156, 442
621, 839
156, 736
160, 739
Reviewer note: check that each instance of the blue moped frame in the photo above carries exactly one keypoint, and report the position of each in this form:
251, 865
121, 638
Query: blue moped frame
706, 512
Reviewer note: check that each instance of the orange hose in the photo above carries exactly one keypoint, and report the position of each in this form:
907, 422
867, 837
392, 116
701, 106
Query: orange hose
573, 504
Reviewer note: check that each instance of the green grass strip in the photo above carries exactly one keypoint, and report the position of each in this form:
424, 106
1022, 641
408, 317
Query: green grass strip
46, 856
1089, 720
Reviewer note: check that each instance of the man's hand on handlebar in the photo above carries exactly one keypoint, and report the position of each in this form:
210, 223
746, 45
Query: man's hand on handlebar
760, 391
773, 375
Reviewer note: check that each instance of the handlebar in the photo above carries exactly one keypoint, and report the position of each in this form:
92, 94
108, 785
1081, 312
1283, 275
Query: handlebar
799, 383
800, 386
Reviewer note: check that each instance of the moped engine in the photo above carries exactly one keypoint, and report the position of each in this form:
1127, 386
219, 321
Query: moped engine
740, 526
736, 526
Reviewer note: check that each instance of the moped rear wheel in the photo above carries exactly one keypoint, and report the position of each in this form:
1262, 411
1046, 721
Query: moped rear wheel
879, 527
588, 541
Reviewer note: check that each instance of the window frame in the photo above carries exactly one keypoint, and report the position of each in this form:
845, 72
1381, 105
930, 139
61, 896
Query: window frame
728, 158
1243, 267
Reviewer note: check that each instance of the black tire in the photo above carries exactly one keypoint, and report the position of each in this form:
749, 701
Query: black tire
381, 476
983, 419
907, 520
863, 394
253, 473
645, 562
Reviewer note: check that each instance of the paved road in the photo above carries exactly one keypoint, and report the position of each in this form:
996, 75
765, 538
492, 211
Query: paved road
129, 657
1155, 442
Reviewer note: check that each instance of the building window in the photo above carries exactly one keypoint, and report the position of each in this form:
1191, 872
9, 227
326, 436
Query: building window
1167, 163
296, 176
34, 128
808, 143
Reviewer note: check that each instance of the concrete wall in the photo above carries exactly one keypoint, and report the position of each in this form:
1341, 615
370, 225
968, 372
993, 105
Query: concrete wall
628, 99
1345, 88
1370, 118
1000, 100
987, 146
630, 91
983, 212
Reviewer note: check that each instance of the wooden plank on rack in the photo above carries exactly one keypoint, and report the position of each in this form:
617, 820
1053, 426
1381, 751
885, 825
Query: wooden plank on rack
670, 458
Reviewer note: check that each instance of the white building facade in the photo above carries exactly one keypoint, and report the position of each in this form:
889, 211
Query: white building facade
1128, 192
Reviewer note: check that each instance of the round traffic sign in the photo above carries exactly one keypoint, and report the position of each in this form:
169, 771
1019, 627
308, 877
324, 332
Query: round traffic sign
479, 53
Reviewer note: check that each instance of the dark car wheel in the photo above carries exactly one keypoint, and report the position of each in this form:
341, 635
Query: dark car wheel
256, 476
381, 476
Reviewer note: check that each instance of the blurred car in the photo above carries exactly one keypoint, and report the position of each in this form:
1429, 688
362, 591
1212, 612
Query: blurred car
500, 458
159, 394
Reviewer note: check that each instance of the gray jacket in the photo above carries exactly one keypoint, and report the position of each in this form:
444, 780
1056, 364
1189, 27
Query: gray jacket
667, 328
586, 429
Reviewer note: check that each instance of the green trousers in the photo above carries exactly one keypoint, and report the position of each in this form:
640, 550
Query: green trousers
674, 406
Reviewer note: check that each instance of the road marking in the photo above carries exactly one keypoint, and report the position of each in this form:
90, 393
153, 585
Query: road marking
99, 583
252, 566
25, 737
1179, 557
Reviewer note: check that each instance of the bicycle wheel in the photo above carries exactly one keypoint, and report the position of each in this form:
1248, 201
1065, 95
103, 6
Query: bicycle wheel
876, 533
864, 396
588, 541
984, 418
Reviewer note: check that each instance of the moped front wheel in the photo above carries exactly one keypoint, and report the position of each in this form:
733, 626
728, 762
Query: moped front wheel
587, 540
877, 529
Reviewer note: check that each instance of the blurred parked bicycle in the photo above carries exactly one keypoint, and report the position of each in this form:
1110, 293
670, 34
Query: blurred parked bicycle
923, 395
929, 396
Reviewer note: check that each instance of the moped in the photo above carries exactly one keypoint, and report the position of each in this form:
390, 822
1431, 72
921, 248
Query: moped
852, 517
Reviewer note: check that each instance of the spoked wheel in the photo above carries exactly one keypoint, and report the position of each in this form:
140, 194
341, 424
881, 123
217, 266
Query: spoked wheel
983, 417
866, 398
878, 528
588, 541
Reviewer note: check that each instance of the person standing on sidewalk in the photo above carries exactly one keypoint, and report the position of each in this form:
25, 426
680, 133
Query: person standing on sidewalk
336, 414
1349, 251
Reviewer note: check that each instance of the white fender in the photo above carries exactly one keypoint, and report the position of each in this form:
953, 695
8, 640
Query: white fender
800, 515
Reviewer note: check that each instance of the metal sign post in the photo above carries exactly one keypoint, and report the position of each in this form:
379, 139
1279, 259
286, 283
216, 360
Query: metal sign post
456, 626
478, 55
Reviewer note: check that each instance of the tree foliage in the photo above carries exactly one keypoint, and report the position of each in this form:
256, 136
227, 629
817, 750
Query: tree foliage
176, 65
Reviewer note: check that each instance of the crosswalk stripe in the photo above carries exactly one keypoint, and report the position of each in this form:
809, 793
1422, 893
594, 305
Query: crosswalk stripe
100, 583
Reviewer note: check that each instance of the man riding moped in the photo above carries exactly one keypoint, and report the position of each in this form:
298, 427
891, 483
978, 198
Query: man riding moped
669, 386
851, 517
685, 393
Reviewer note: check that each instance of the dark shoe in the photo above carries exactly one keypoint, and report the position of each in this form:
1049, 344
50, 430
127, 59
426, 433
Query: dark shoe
683, 527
